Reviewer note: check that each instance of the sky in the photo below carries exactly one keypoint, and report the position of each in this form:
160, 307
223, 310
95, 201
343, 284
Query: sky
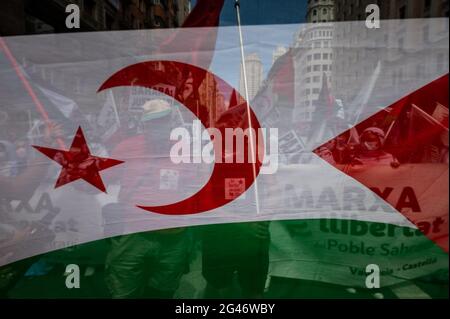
257, 12
256, 16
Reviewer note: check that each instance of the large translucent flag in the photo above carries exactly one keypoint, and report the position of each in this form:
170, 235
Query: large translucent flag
164, 152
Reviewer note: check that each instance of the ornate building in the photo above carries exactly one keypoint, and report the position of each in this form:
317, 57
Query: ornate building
314, 59
320, 11
254, 72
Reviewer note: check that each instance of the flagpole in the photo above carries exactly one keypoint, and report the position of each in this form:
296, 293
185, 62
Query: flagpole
40, 107
244, 74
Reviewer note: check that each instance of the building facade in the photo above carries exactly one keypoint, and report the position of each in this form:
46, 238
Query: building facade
347, 67
208, 95
254, 71
279, 51
48, 16
320, 11
352, 10
184, 7
313, 58
20, 17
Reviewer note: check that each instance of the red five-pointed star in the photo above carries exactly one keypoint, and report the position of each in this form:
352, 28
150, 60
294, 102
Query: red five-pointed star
78, 163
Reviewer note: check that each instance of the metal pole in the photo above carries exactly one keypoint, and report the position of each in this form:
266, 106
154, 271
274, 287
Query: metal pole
244, 74
40, 107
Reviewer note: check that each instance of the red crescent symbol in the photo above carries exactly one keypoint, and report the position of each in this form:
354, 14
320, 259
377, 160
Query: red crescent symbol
212, 195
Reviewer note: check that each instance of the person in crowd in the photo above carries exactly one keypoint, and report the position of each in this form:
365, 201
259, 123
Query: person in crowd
20, 185
148, 264
240, 249
235, 257
371, 149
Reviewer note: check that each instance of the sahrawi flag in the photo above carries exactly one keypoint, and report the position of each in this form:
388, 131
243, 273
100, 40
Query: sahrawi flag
155, 150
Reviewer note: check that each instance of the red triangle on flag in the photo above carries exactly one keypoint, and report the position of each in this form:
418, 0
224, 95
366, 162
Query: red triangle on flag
402, 156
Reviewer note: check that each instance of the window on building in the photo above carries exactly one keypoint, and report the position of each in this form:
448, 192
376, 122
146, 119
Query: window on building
316, 67
90, 8
314, 12
324, 11
398, 76
325, 56
316, 56
77, 85
308, 80
402, 12
109, 22
142, 5
308, 69
325, 67
316, 91
308, 57
419, 70
316, 79
440, 65
426, 33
